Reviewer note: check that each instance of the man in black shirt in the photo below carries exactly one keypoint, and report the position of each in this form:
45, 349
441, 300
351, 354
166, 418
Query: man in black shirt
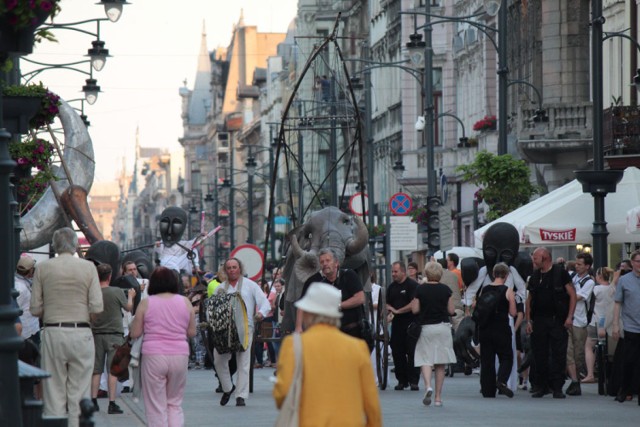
550, 306
400, 293
348, 282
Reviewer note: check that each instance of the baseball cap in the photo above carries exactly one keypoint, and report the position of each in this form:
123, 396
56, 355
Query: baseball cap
25, 264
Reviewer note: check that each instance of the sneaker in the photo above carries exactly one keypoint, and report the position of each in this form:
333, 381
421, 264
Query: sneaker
114, 408
226, 396
240, 401
427, 397
574, 389
414, 387
502, 388
400, 387
96, 408
126, 389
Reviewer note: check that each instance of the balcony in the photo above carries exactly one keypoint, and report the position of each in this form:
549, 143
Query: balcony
569, 130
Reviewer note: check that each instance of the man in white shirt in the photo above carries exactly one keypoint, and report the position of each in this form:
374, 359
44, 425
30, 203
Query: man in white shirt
255, 302
23, 278
583, 284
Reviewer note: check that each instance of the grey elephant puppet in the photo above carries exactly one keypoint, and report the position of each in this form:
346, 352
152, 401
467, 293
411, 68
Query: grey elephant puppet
327, 228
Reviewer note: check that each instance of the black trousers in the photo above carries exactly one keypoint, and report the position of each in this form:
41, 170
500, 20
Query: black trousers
631, 363
403, 349
549, 345
495, 340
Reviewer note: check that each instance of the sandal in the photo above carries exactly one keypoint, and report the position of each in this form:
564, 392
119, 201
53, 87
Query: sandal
438, 403
588, 380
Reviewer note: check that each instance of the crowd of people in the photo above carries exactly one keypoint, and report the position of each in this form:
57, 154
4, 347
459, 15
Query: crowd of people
541, 330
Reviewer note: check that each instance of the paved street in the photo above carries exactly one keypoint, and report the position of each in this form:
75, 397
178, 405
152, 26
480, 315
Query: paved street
463, 406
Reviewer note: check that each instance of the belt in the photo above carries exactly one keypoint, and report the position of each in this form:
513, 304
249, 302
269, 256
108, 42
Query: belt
69, 325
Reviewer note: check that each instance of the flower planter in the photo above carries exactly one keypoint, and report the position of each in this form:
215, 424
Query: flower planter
17, 111
20, 41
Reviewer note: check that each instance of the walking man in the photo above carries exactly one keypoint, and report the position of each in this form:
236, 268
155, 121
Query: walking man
256, 302
108, 332
66, 294
550, 306
583, 284
627, 308
400, 293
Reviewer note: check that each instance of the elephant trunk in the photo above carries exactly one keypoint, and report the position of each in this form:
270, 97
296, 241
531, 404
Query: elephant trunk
360, 239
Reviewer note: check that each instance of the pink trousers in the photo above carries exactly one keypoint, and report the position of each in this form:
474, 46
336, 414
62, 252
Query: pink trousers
164, 379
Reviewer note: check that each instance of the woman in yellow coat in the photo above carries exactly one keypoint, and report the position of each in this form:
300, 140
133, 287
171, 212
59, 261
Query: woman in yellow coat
338, 387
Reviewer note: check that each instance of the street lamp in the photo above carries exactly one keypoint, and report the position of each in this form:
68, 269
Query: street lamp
599, 182
113, 8
398, 170
98, 55
491, 7
251, 165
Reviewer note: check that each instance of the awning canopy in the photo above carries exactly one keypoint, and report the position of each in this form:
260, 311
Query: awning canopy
565, 216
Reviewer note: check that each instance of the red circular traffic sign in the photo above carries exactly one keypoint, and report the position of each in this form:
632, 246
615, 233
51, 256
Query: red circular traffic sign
400, 204
355, 204
252, 260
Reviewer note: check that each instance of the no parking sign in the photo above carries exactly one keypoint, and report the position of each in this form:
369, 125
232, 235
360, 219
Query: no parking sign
400, 204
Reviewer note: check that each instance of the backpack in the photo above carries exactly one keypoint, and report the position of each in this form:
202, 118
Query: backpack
227, 316
592, 300
486, 306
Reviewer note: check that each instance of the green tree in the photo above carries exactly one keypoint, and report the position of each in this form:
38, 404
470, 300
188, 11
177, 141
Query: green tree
503, 181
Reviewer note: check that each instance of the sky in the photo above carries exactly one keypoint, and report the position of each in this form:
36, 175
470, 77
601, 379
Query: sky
154, 48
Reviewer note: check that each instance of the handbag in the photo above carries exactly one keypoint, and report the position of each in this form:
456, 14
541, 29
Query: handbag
289, 415
414, 330
120, 363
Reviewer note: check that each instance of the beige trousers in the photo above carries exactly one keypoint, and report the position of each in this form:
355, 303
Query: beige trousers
68, 355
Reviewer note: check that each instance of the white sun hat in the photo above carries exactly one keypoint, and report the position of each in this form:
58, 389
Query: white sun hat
321, 299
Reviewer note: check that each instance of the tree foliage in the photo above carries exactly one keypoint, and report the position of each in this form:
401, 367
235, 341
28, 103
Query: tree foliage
503, 181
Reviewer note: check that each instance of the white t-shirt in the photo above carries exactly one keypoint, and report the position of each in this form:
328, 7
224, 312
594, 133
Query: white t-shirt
584, 291
604, 305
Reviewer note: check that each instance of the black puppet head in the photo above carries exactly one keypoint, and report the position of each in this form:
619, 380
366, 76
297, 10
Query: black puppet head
173, 223
500, 244
142, 261
105, 252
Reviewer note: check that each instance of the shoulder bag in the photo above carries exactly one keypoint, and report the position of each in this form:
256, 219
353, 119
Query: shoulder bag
289, 415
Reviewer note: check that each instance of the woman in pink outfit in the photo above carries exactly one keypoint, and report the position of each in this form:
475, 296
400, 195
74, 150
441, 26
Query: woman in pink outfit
166, 319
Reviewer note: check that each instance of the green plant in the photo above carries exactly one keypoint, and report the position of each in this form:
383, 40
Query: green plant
21, 14
50, 102
376, 230
32, 152
503, 181
419, 215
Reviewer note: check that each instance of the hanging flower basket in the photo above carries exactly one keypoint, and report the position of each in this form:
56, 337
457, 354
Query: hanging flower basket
18, 112
488, 123
18, 21
29, 106
30, 154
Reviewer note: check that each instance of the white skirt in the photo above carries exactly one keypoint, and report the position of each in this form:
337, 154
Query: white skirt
435, 345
